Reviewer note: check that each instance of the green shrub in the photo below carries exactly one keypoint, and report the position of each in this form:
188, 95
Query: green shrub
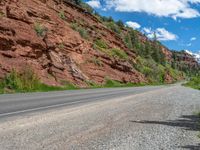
1, 14
154, 72
74, 26
127, 41
83, 32
112, 83
194, 82
119, 53
87, 7
106, 51
39, 29
96, 61
114, 27
62, 15
172, 72
114, 52
101, 43
25, 81
92, 84
61, 46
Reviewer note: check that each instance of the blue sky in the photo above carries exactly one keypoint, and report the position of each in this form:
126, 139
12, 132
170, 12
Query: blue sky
176, 22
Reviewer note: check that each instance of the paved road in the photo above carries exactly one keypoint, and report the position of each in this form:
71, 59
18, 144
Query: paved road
143, 118
16, 104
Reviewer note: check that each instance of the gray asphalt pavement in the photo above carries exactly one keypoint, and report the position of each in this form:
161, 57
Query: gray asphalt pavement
15, 104
142, 118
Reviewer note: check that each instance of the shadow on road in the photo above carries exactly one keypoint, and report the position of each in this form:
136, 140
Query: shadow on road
191, 147
187, 122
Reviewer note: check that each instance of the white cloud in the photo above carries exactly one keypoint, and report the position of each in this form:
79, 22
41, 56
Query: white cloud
161, 34
162, 8
193, 39
189, 44
133, 25
147, 30
94, 3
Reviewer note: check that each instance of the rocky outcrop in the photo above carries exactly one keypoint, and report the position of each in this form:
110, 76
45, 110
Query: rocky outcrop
186, 59
33, 34
44, 35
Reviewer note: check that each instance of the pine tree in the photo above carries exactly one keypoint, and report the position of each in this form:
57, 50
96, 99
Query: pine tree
120, 23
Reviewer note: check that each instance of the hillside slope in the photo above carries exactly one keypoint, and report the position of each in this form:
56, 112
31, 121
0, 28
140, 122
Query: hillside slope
63, 42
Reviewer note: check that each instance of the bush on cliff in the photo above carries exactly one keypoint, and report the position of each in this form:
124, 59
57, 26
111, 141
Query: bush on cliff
26, 81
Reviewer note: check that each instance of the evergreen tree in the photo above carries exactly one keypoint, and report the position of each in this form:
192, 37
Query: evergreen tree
78, 2
120, 23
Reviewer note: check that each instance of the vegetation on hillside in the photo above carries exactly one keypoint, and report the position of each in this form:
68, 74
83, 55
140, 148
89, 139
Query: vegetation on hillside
178, 64
194, 82
150, 60
150, 50
27, 81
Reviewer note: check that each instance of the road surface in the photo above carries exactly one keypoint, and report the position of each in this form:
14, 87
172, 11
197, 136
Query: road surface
140, 118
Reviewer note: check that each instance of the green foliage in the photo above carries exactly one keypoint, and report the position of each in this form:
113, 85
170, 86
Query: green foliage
154, 73
113, 83
40, 30
101, 43
61, 46
127, 41
120, 23
172, 72
115, 52
110, 19
96, 61
68, 86
194, 82
27, 81
179, 64
114, 27
1, 14
82, 31
62, 15
157, 53
78, 2
75, 26
87, 8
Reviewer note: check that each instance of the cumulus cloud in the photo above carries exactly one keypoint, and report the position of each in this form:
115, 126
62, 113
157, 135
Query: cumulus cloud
193, 39
161, 34
147, 30
94, 3
133, 25
162, 8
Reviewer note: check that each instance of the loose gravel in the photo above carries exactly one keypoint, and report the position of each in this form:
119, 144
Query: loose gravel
162, 119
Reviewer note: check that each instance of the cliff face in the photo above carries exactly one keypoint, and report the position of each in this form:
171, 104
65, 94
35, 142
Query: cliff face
33, 33
50, 37
185, 61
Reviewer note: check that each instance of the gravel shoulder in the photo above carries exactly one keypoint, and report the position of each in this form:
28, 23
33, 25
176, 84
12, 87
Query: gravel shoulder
162, 119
